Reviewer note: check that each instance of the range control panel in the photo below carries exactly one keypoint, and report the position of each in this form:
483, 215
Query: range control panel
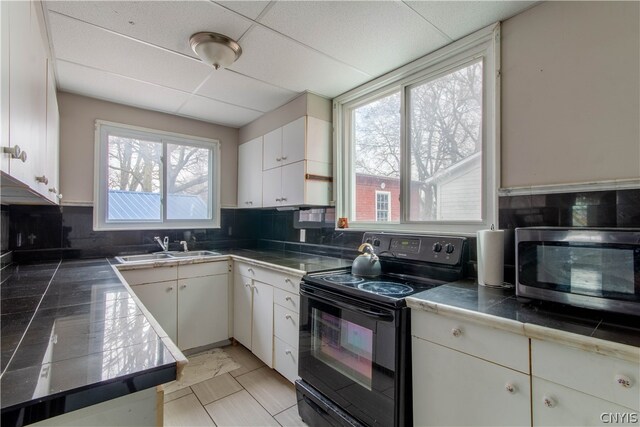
428, 248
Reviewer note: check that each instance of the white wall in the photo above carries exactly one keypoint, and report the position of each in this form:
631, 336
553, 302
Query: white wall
77, 138
571, 93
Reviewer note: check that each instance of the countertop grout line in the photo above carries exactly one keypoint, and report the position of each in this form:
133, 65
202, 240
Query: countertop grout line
6, 368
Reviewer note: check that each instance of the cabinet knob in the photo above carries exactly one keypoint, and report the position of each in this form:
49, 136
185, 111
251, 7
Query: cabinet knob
623, 380
42, 179
288, 299
250, 270
456, 332
287, 316
284, 199
183, 286
15, 152
284, 157
278, 200
170, 288
246, 203
53, 190
510, 388
287, 351
59, 196
248, 285
278, 159
548, 402
250, 203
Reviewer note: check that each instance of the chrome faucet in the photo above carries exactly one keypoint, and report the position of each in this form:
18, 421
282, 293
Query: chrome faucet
184, 245
164, 244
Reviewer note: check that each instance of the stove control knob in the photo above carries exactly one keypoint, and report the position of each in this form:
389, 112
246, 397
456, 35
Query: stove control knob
437, 247
376, 242
449, 248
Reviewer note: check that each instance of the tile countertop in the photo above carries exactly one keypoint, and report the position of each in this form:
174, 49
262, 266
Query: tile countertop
613, 335
73, 336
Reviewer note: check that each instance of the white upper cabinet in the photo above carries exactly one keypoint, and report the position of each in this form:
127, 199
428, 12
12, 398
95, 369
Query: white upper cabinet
250, 174
272, 149
28, 92
293, 141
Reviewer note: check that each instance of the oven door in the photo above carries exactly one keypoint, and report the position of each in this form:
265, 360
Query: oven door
348, 352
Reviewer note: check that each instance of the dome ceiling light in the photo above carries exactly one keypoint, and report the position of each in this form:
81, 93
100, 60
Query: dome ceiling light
215, 49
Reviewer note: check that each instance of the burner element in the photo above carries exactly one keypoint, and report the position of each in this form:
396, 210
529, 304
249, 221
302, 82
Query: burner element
385, 288
343, 278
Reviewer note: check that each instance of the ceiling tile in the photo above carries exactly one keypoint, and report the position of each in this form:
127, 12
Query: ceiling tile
210, 110
275, 59
373, 36
164, 23
81, 43
228, 86
460, 18
250, 9
99, 84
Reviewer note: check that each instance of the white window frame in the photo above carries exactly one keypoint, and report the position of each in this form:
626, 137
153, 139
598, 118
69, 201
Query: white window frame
101, 193
388, 194
483, 44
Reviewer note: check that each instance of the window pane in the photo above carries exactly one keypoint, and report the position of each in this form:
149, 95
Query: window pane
134, 179
382, 206
376, 128
445, 131
188, 180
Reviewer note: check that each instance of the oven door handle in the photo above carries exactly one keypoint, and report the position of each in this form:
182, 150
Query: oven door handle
369, 313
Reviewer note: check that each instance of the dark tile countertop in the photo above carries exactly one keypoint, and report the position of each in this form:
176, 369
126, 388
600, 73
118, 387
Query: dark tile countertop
72, 336
561, 322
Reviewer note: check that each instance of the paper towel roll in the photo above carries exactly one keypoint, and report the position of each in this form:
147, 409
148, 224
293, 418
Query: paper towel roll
491, 257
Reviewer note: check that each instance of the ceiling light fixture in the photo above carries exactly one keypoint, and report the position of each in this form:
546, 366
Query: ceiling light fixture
215, 49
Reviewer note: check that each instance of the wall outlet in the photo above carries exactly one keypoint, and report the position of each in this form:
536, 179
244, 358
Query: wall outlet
229, 231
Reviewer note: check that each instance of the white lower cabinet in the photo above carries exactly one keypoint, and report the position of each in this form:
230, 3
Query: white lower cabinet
242, 301
286, 359
193, 307
454, 388
262, 322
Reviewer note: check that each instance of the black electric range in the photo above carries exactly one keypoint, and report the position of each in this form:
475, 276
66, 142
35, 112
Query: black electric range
354, 340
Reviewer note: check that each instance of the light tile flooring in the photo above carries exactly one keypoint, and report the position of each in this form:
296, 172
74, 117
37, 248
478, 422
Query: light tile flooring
252, 395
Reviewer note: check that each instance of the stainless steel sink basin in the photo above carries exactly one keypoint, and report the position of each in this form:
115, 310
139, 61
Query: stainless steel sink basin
128, 259
144, 257
193, 254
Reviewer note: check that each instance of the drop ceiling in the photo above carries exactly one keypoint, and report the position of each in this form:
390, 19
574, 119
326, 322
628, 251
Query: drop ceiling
137, 52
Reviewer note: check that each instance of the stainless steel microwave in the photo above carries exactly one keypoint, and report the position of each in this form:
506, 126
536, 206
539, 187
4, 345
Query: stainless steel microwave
588, 267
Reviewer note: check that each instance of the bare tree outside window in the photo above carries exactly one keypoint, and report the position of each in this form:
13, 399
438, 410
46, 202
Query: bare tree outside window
187, 176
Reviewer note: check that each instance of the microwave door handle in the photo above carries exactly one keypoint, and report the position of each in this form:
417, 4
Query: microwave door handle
369, 313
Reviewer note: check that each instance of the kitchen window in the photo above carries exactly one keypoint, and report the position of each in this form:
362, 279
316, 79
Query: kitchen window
148, 179
427, 134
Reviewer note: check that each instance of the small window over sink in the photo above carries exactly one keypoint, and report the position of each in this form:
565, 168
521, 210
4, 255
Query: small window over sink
147, 179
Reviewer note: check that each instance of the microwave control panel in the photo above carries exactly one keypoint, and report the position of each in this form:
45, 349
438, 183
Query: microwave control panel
429, 248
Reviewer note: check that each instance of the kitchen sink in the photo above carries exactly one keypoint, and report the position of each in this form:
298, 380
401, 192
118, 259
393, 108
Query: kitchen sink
128, 259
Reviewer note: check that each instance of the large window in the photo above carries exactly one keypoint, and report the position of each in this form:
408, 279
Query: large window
149, 179
427, 135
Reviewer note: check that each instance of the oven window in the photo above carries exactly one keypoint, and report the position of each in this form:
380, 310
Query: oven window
343, 345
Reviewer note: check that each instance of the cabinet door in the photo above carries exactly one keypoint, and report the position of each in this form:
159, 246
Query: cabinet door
470, 391
272, 187
293, 141
293, 184
53, 138
203, 311
242, 309
250, 174
161, 301
556, 405
38, 101
4, 83
262, 322
272, 151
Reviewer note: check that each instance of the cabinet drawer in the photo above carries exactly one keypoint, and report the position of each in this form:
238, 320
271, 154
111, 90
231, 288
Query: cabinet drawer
286, 359
202, 269
497, 346
244, 269
588, 372
556, 405
287, 282
150, 275
286, 299
285, 325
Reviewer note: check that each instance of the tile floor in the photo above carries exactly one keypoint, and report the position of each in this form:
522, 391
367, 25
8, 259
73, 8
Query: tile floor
252, 395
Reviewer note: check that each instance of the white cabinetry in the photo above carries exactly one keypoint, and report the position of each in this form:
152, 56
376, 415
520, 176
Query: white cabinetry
468, 374
31, 121
190, 302
572, 386
250, 174
297, 164
262, 322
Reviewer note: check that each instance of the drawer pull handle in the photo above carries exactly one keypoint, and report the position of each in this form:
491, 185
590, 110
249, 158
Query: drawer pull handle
287, 352
287, 316
170, 288
183, 286
510, 388
250, 270
623, 380
287, 280
288, 299
548, 402
248, 285
42, 179
456, 332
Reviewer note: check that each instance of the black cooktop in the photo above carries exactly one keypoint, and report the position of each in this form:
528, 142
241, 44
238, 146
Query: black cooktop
386, 288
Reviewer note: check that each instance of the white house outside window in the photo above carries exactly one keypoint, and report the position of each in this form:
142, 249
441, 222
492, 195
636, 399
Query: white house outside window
147, 179
430, 131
